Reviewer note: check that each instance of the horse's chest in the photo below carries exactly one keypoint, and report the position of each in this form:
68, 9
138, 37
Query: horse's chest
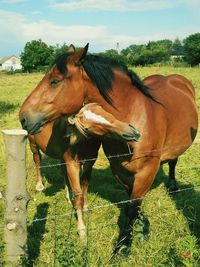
56, 147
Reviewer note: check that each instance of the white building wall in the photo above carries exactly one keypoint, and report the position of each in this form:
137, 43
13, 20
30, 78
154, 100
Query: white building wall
13, 63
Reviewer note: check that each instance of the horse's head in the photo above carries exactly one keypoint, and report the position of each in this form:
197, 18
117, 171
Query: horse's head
60, 92
92, 119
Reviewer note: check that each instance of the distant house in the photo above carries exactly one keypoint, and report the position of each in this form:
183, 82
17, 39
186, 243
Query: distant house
10, 63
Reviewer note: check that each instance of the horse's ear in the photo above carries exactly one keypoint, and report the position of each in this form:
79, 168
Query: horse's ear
78, 57
71, 48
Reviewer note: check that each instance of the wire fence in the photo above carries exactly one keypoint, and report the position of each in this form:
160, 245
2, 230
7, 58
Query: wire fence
94, 208
110, 157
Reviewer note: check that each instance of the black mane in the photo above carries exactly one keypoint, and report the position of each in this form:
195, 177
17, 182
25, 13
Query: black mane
60, 62
101, 72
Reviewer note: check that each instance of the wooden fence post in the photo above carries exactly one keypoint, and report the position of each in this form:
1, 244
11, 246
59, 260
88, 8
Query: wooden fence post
16, 196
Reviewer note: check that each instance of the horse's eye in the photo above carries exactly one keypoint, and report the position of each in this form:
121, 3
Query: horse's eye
54, 82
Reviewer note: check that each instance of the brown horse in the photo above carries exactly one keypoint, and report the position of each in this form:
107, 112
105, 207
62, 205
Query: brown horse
56, 136
73, 134
162, 108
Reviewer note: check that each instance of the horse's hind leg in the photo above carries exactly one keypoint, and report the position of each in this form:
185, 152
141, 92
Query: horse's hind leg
172, 186
37, 159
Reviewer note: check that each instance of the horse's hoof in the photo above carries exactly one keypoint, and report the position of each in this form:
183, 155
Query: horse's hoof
123, 251
39, 187
172, 189
82, 235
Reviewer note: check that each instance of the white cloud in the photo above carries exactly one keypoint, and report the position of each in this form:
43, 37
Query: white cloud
112, 5
16, 30
11, 26
55, 33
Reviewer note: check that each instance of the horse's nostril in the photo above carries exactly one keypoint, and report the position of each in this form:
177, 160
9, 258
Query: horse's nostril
23, 123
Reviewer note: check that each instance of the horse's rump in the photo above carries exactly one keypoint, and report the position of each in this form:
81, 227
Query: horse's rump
177, 96
176, 81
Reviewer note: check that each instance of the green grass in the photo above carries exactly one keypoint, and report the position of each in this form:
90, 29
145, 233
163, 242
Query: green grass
174, 220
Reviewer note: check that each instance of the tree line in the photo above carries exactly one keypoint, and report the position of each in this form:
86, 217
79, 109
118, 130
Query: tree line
37, 55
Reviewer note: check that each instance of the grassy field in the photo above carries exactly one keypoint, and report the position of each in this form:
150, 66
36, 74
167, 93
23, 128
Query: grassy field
174, 220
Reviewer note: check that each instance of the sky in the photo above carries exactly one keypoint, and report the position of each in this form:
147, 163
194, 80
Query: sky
102, 23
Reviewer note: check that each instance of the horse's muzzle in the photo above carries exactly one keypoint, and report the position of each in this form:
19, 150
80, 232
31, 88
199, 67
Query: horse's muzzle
32, 123
132, 135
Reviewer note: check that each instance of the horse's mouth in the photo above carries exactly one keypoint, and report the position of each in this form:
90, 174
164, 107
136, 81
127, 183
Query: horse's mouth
33, 128
133, 135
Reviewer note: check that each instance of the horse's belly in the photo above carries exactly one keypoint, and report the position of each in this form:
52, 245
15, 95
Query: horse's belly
180, 135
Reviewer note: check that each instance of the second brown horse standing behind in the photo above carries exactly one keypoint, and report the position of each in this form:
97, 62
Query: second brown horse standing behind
69, 139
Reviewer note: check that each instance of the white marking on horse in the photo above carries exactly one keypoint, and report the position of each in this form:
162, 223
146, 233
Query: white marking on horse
94, 117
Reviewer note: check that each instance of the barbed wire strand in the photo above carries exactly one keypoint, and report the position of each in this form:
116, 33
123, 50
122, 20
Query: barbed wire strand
111, 156
73, 212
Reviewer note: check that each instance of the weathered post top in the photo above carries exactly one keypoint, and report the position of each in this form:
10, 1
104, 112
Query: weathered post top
15, 132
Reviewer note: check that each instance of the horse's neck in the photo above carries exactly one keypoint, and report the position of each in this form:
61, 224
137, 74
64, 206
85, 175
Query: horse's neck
126, 99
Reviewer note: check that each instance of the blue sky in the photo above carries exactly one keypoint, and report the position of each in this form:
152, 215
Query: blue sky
102, 23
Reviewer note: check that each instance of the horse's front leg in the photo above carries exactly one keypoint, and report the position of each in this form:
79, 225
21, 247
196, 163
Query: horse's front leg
37, 159
143, 180
73, 171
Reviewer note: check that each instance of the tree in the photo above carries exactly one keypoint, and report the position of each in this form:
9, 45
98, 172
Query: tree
112, 53
160, 50
36, 54
133, 53
192, 49
165, 45
177, 48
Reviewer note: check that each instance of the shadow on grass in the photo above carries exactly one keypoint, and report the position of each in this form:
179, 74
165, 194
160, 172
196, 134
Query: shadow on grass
6, 107
187, 200
35, 234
